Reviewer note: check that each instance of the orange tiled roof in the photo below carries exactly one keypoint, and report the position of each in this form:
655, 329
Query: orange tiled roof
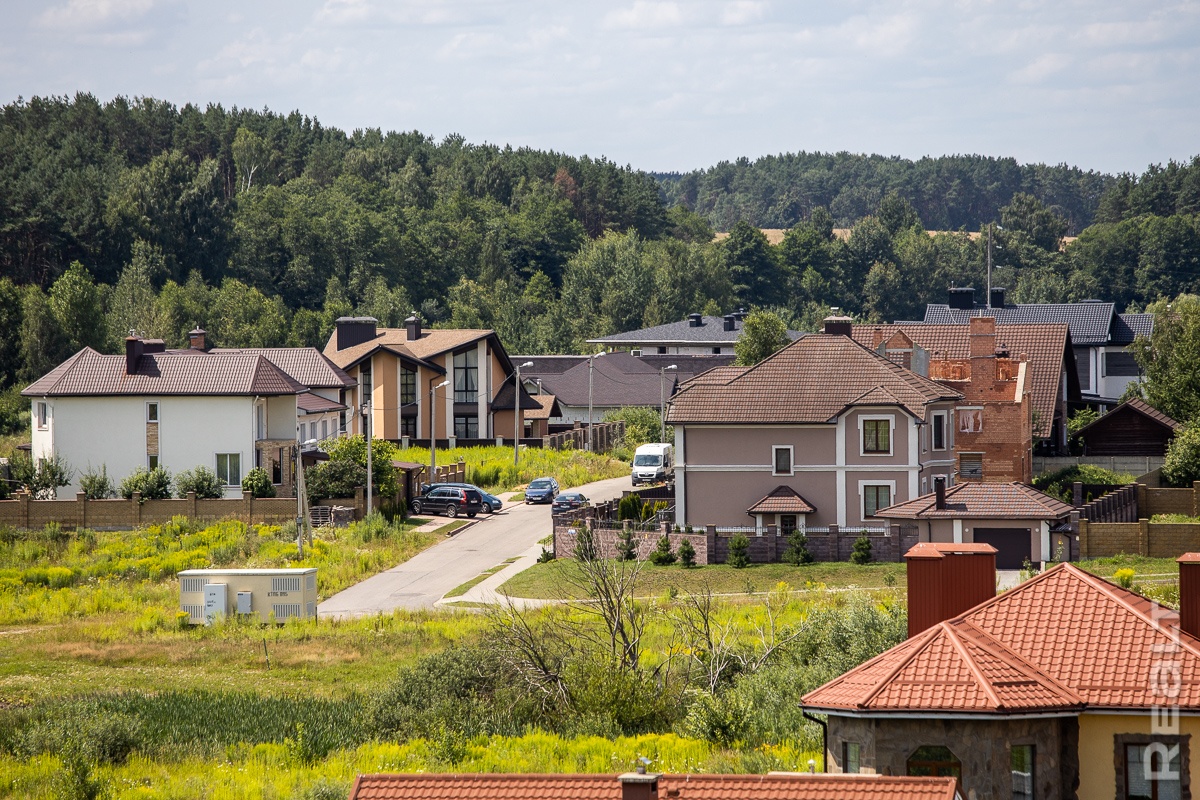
432, 342
981, 500
1044, 345
1064, 640
775, 786
811, 380
782, 500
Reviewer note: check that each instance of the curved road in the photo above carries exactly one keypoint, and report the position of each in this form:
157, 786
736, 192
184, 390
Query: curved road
421, 581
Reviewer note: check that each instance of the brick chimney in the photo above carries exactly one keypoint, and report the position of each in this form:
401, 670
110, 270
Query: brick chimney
197, 339
133, 353
639, 785
838, 325
412, 328
983, 352
939, 492
945, 579
1189, 593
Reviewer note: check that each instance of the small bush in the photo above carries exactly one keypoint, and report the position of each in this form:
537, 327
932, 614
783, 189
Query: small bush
662, 555
96, 485
545, 556
1182, 464
626, 546
201, 480
687, 554
1059, 483
797, 549
258, 483
154, 484
739, 552
334, 479
862, 551
630, 507
1124, 578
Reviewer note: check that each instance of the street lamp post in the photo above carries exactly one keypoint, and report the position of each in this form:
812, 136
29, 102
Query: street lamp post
433, 432
662, 401
591, 439
368, 434
517, 413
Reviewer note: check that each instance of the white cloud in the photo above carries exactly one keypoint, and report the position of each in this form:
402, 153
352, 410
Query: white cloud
1041, 68
743, 12
89, 13
645, 15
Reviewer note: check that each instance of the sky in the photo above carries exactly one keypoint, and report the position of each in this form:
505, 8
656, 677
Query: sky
664, 86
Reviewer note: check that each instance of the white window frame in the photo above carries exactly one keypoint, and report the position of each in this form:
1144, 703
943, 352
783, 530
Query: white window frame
42, 409
156, 416
217, 464
791, 451
945, 431
862, 428
862, 496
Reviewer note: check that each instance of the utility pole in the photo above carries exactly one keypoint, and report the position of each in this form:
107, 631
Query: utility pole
989, 262
517, 414
590, 440
662, 401
369, 434
433, 432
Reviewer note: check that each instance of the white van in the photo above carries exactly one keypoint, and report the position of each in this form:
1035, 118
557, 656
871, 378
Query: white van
653, 463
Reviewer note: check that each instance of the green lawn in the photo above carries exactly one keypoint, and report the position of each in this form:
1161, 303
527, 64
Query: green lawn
553, 580
459, 591
1141, 565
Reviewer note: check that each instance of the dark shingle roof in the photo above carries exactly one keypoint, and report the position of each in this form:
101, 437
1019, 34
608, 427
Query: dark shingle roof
88, 373
1090, 323
618, 380
1135, 404
814, 379
310, 403
710, 331
1127, 327
782, 500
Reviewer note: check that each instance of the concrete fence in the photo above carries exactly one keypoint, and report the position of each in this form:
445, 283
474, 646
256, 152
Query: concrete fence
1137, 465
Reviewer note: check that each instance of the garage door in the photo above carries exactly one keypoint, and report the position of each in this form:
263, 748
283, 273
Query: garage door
1013, 545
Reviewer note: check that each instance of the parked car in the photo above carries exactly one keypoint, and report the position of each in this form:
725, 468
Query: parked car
491, 503
448, 500
541, 490
569, 501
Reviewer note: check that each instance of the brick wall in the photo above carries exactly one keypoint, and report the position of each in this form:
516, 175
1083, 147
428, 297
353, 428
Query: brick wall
1170, 501
566, 537
1154, 539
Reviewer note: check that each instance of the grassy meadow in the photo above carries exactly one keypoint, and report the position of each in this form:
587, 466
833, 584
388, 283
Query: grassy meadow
492, 468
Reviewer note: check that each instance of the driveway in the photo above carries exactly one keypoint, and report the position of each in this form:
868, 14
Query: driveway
421, 581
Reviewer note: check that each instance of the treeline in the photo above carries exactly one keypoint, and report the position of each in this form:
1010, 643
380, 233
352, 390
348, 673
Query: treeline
264, 228
948, 193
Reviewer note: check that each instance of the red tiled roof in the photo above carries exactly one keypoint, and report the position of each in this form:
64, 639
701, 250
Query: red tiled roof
306, 364
1064, 640
1044, 345
88, 373
782, 500
983, 501
775, 786
715, 375
811, 380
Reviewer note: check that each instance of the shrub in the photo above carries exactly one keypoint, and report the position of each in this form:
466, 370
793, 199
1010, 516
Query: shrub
642, 425
862, 551
154, 484
662, 555
1124, 578
96, 485
545, 556
43, 479
201, 480
797, 549
739, 551
630, 507
258, 483
687, 554
1182, 465
383, 453
626, 546
334, 479
1058, 483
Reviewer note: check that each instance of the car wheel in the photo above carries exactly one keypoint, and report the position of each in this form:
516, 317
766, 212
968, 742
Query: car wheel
471, 514
451, 510
416, 506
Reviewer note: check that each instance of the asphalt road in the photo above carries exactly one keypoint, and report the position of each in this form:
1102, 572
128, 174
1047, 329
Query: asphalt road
421, 581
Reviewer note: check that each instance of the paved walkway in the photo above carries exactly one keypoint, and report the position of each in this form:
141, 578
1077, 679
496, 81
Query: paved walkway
422, 581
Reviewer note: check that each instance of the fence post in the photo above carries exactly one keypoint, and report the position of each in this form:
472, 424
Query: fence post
710, 547
81, 509
24, 498
1143, 537
1141, 500
1083, 538
772, 543
191, 500
137, 509
1076, 494
248, 507
1196, 498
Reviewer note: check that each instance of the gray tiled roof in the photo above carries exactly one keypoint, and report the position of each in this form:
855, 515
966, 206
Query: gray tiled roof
711, 331
1126, 327
1090, 323
618, 380
88, 373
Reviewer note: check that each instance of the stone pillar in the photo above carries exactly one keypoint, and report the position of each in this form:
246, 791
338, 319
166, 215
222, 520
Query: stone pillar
772, 542
24, 499
1143, 537
248, 507
81, 509
1141, 499
1196, 498
1083, 539
136, 511
191, 501
710, 544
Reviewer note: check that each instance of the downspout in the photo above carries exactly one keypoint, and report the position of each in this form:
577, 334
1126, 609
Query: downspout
824, 738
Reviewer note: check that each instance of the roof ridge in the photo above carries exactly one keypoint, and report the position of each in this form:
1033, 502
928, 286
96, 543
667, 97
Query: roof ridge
995, 647
929, 635
961, 649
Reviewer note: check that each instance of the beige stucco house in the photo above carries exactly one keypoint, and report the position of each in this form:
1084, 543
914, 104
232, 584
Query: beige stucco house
839, 427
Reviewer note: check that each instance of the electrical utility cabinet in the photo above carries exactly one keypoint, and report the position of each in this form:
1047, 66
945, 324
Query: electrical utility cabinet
211, 594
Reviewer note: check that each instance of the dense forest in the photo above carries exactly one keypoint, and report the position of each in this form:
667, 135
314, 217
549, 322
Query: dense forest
135, 214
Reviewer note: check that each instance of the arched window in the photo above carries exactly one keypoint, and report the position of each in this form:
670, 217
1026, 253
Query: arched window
934, 760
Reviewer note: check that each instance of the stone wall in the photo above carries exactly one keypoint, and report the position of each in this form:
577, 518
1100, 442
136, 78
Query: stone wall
605, 536
1154, 539
981, 745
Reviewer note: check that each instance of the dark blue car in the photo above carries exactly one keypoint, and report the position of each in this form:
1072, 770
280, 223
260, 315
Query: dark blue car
541, 490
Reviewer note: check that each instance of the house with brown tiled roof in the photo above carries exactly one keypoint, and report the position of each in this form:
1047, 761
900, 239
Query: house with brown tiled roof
1016, 519
642, 786
149, 407
1067, 686
826, 422
401, 371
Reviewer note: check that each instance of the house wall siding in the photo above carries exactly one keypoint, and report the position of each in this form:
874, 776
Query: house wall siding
752, 444
1097, 741
721, 498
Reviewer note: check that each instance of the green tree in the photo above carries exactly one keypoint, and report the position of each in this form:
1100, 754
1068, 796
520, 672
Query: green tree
763, 333
134, 304
753, 266
78, 305
1168, 358
253, 157
43, 345
797, 549
861, 554
662, 556
687, 554
1027, 214
10, 332
1182, 464
739, 551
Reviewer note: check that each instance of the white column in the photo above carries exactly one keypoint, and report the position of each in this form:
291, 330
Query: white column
840, 470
